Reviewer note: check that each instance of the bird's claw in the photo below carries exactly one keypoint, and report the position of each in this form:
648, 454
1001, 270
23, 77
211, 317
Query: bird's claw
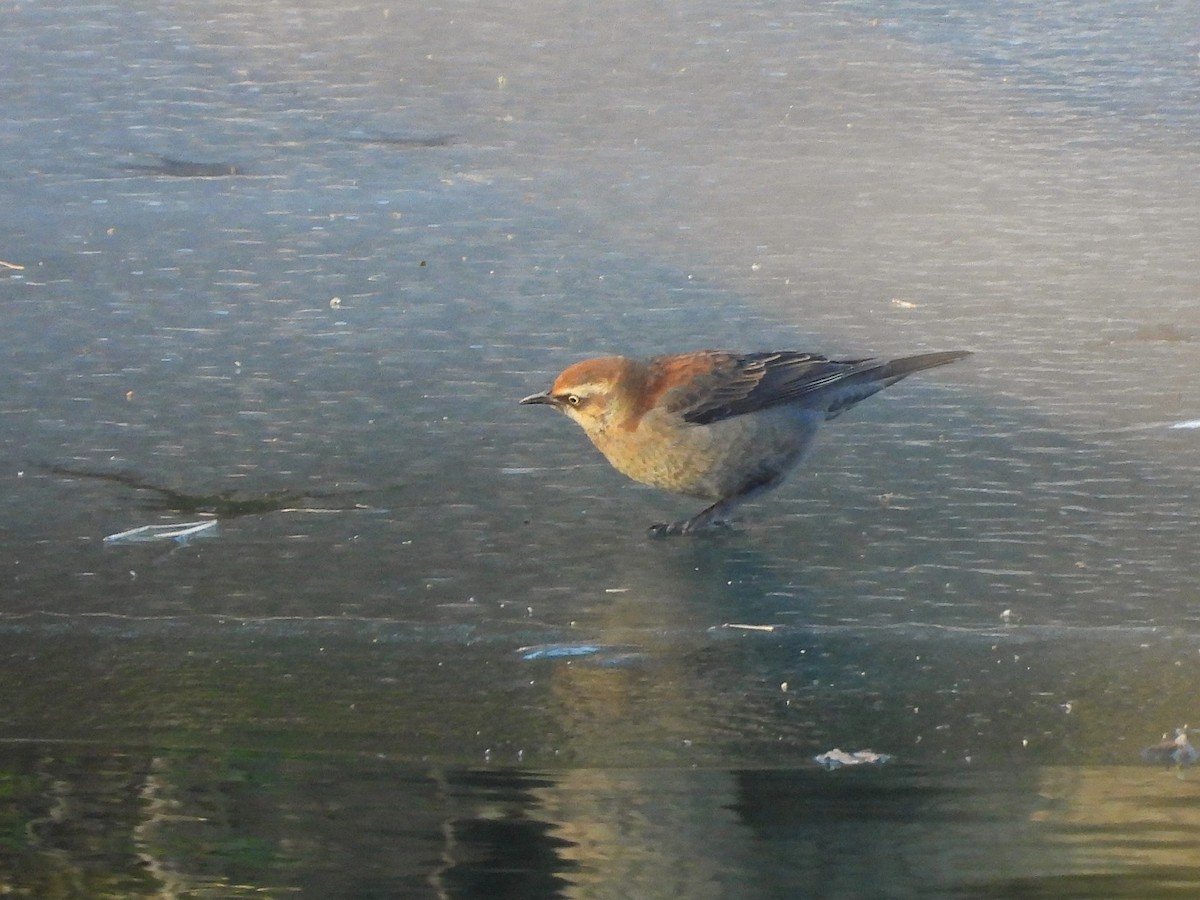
697, 525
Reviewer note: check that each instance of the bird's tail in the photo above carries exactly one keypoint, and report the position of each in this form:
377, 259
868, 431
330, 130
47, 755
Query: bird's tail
872, 376
894, 370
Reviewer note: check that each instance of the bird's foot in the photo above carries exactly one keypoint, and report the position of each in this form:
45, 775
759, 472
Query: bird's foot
696, 525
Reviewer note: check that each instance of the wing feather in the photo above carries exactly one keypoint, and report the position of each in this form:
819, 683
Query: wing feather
722, 385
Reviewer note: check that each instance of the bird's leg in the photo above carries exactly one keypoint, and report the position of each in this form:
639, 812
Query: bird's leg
710, 517
717, 515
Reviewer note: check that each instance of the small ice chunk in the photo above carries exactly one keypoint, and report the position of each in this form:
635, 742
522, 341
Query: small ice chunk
180, 532
836, 758
1177, 749
605, 655
558, 651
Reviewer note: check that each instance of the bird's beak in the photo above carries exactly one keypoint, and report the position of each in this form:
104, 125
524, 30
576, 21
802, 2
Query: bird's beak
543, 397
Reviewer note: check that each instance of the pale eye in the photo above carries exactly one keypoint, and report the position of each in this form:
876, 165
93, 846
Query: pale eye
574, 399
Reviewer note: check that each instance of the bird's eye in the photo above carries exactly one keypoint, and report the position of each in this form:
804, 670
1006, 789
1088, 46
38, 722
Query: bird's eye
574, 399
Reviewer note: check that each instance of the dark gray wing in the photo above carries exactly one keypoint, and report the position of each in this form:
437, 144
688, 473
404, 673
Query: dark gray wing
740, 384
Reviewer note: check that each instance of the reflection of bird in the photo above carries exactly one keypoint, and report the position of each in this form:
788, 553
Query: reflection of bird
718, 426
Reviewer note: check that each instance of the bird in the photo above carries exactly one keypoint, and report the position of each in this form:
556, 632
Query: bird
716, 425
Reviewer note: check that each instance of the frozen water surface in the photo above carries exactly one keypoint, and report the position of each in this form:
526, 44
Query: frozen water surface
290, 266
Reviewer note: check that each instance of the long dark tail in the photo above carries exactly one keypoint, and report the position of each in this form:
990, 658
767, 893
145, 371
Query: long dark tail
893, 371
873, 376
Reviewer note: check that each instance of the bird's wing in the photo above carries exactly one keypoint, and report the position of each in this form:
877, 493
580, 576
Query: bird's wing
708, 386
713, 386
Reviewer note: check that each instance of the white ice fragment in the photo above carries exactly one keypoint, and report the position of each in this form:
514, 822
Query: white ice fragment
836, 758
178, 532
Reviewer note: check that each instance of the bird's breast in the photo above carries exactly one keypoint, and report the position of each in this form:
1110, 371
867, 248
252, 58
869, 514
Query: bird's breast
710, 461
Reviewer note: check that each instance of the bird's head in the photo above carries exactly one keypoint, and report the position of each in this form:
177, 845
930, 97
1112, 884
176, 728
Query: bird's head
596, 393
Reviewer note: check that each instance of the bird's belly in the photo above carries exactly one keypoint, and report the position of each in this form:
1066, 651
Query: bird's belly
713, 461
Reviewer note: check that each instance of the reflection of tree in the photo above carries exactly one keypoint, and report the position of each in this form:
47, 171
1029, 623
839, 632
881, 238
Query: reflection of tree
231, 824
1127, 818
204, 831
125, 826
498, 840
68, 824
